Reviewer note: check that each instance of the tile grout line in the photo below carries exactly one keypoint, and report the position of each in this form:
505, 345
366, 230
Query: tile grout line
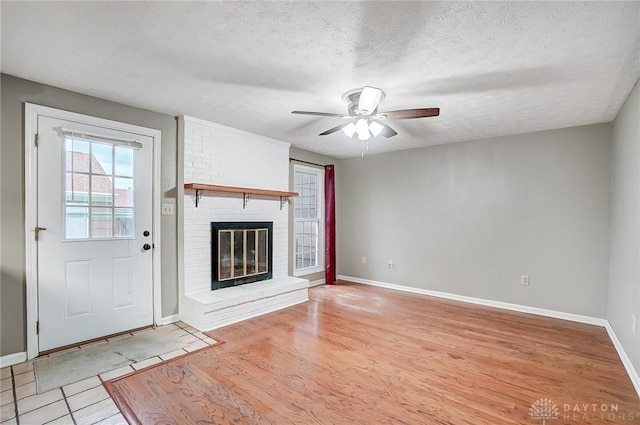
15, 400
64, 396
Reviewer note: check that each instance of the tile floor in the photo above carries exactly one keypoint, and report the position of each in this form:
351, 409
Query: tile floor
81, 403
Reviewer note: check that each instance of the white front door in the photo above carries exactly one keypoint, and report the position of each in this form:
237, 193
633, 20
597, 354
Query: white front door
94, 246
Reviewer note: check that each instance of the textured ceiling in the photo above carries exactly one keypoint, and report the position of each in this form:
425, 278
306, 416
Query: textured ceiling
494, 68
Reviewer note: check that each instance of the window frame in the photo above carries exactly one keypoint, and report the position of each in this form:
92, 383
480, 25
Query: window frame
320, 267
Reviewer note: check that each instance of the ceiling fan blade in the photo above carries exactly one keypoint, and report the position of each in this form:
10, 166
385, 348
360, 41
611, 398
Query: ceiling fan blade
334, 129
369, 99
387, 131
322, 114
405, 114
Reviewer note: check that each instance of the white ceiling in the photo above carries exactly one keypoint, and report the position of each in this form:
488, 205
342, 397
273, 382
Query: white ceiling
494, 68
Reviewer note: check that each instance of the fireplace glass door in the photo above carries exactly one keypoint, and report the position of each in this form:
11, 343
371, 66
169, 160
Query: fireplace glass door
242, 253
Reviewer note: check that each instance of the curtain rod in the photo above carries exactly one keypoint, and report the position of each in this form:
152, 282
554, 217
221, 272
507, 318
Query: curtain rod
306, 162
99, 138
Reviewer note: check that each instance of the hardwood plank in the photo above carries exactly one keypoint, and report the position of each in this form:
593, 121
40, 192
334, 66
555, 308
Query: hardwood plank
364, 355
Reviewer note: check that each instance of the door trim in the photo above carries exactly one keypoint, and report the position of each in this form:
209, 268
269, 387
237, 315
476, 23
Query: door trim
31, 113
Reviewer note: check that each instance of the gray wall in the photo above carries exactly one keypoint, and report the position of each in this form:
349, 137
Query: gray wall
471, 218
317, 159
14, 92
624, 269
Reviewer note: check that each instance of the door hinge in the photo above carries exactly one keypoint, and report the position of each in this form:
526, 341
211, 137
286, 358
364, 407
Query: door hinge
37, 327
37, 140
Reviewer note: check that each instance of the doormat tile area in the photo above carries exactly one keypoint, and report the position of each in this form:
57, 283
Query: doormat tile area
68, 367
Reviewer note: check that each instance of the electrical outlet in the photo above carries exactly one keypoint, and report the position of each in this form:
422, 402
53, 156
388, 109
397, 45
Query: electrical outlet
390, 263
364, 260
524, 280
633, 323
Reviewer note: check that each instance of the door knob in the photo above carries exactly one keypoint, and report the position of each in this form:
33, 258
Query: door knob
146, 247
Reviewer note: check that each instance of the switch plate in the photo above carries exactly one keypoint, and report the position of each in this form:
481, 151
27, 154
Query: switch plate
390, 263
364, 260
524, 280
167, 209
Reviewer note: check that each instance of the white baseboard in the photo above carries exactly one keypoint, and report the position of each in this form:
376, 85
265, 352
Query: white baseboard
480, 301
317, 282
169, 319
11, 359
631, 371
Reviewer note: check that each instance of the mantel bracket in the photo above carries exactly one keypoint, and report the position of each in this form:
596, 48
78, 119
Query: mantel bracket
198, 196
283, 200
245, 199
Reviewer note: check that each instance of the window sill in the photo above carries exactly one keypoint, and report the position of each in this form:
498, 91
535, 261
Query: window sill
305, 272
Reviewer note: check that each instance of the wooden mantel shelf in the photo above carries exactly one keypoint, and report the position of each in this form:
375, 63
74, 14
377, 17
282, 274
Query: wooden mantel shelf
246, 192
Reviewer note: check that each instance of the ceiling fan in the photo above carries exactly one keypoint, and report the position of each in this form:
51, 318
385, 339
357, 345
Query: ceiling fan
363, 116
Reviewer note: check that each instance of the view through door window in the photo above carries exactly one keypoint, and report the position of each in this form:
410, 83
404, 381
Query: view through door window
99, 181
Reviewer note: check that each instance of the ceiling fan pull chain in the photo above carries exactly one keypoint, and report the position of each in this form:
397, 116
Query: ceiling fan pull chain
362, 155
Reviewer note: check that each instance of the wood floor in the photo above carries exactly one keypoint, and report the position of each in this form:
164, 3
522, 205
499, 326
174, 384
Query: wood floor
357, 354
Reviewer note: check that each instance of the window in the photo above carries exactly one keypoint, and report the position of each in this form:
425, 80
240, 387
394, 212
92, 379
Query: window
308, 220
98, 190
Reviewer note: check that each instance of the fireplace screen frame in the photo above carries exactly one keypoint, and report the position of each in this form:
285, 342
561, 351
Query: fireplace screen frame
218, 282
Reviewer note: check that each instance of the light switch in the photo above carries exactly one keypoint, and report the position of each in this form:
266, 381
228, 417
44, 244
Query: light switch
167, 209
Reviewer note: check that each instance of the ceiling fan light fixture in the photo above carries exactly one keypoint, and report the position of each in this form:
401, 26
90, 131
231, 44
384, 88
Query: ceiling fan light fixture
375, 128
362, 128
350, 129
363, 116
369, 99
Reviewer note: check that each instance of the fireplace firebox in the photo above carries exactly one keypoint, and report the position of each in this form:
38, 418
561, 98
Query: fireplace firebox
241, 252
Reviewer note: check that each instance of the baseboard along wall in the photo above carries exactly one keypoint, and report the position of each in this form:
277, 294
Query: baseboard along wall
168, 320
631, 371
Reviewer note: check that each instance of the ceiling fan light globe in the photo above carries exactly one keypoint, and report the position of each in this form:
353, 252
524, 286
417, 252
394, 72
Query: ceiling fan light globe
350, 129
362, 126
364, 136
369, 99
375, 128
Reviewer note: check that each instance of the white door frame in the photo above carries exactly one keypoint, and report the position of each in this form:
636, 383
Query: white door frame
32, 112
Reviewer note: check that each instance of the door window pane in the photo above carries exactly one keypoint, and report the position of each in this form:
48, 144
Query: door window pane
77, 189
123, 222
101, 222
77, 156
102, 158
123, 192
77, 223
99, 176
123, 161
101, 190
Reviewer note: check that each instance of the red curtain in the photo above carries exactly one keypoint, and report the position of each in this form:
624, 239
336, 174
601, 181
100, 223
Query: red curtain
330, 224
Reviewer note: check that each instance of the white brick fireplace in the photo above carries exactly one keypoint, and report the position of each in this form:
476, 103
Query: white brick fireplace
223, 156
